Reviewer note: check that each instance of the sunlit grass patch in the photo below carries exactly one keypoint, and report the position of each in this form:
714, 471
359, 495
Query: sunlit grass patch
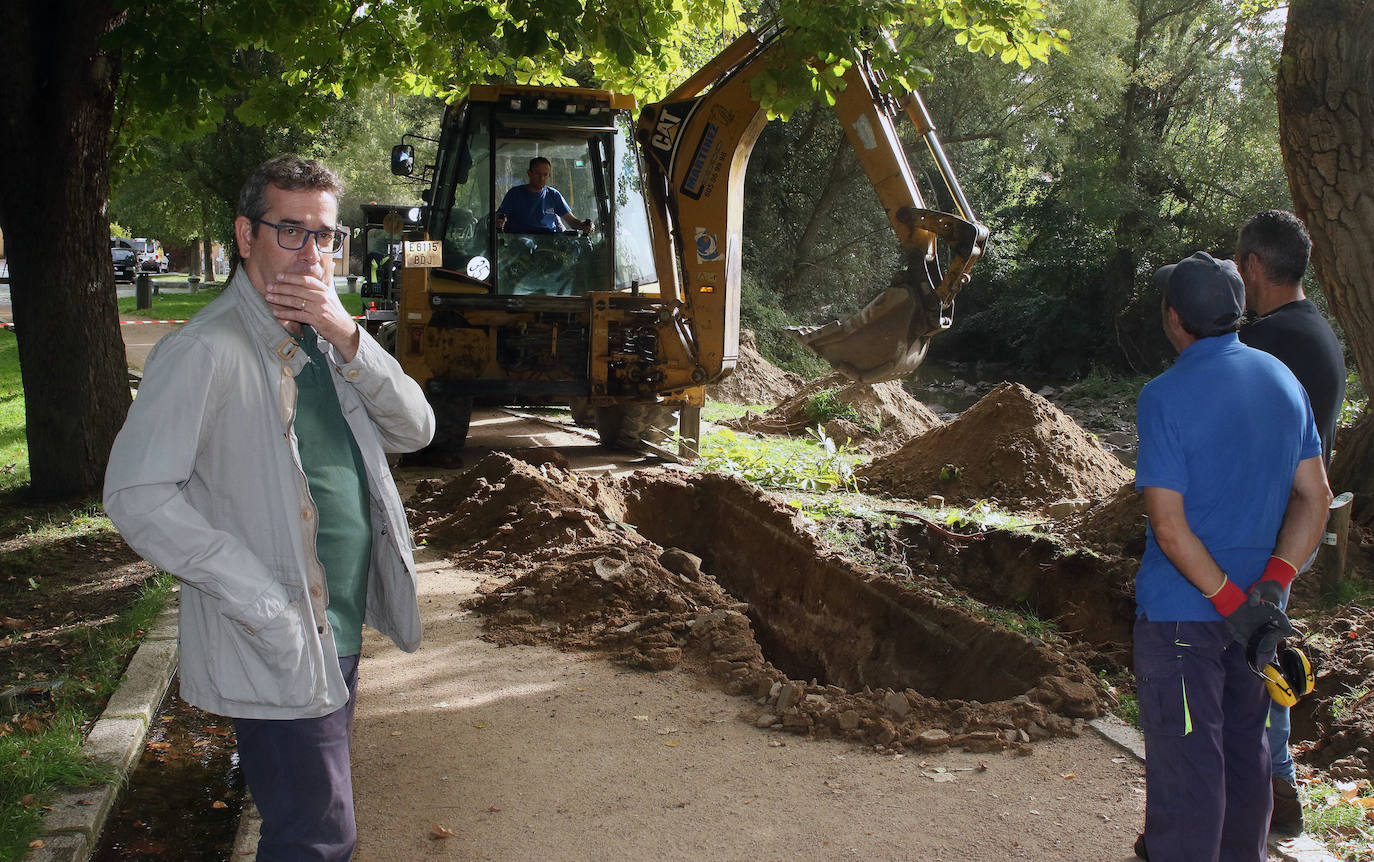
14, 448
812, 463
1336, 815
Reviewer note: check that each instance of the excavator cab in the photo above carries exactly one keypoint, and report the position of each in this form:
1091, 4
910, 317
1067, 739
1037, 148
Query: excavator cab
492, 138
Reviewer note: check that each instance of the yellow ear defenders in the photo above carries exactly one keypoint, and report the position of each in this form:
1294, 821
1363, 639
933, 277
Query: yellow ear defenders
1289, 676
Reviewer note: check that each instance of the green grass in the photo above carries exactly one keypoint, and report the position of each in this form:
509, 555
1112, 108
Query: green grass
14, 450
1023, 621
1102, 385
827, 405
1342, 827
813, 463
180, 306
717, 411
1341, 703
33, 766
36, 761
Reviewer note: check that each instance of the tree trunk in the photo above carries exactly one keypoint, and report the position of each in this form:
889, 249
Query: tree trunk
55, 114
207, 243
805, 252
1326, 130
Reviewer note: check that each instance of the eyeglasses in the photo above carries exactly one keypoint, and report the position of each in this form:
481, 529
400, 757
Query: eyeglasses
292, 237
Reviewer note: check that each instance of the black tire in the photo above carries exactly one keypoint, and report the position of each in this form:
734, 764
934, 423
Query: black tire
452, 415
627, 426
583, 413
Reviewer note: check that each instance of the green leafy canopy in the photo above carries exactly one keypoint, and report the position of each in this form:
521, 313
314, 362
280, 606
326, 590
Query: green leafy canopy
180, 58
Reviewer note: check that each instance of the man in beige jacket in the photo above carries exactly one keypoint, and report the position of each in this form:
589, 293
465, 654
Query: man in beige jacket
253, 467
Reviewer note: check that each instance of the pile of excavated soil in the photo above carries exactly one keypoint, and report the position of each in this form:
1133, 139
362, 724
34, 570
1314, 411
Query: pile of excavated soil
888, 415
755, 380
1115, 525
575, 576
1012, 446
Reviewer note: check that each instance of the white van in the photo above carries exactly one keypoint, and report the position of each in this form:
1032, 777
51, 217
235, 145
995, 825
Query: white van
151, 258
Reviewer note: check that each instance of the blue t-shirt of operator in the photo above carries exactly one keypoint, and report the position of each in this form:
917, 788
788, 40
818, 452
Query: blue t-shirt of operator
1225, 427
533, 212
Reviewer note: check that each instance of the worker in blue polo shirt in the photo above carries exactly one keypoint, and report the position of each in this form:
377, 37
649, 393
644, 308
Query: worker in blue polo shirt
537, 207
1230, 465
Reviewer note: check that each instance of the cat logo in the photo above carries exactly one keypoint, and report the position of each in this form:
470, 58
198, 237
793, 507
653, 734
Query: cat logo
666, 130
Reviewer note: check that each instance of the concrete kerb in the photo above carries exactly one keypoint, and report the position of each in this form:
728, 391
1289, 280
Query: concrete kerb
75, 819
1128, 739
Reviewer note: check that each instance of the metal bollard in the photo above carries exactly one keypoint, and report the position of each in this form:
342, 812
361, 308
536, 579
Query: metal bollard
143, 291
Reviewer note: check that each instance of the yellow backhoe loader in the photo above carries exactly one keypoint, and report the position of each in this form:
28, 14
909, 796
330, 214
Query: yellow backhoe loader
627, 306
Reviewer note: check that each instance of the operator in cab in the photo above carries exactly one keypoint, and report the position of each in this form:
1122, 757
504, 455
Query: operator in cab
537, 207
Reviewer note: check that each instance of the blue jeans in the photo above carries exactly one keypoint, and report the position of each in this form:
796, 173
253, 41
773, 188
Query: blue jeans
1280, 727
299, 774
1202, 709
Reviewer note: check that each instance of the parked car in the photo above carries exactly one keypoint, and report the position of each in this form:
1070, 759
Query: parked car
125, 264
151, 257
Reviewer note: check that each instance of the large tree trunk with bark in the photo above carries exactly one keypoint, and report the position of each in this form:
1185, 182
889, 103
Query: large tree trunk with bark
55, 113
1326, 129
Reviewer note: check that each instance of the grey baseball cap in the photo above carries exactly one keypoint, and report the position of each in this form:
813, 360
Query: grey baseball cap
1207, 293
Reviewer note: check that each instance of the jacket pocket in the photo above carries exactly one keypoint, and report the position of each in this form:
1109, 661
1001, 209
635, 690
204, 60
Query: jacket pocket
267, 666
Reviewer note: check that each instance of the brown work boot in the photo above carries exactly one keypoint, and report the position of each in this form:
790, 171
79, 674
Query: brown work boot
1287, 816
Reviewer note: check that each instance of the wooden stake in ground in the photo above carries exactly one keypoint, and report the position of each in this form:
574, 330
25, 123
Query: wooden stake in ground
1335, 544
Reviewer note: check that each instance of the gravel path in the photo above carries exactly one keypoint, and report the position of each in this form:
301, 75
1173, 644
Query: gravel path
525, 752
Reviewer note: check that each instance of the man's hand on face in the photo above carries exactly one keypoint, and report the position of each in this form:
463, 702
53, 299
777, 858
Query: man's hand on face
298, 298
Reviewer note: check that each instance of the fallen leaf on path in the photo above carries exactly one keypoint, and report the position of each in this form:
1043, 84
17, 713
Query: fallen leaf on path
480, 724
640, 717
438, 833
36, 844
218, 804
29, 800
672, 743
667, 730
1069, 775
492, 809
159, 746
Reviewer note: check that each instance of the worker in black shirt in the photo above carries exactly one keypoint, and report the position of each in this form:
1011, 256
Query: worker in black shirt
1272, 252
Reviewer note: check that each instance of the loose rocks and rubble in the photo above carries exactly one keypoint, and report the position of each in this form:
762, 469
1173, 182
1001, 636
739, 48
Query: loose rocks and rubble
887, 414
565, 571
1011, 446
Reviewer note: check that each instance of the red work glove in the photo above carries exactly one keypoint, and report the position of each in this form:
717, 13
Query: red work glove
1272, 584
1249, 616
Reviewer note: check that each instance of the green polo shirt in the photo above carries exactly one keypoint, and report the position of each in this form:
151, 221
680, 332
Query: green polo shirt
338, 483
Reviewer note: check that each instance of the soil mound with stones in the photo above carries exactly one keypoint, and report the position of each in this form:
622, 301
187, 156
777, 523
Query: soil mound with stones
1115, 525
1333, 728
574, 573
755, 380
1012, 446
884, 414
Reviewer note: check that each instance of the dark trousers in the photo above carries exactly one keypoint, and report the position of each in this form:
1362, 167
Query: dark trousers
299, 775
1207, 788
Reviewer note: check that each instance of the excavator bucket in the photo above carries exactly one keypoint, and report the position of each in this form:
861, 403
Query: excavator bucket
888, 339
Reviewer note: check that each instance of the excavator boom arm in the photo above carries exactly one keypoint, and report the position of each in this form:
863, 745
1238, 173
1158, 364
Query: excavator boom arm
697, 143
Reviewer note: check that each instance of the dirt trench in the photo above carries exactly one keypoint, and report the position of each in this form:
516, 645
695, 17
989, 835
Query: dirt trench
819, 615
709, 572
